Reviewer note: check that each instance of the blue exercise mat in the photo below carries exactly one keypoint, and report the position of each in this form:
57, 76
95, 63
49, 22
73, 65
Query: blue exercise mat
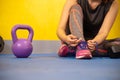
51, 67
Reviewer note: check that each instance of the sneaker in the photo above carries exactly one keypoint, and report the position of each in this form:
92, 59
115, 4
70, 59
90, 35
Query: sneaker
82, 51
64, 51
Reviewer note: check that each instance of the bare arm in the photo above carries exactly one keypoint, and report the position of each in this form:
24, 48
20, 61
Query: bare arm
63, 23
107, 23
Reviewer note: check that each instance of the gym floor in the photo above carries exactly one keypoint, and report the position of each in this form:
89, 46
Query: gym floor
51, 67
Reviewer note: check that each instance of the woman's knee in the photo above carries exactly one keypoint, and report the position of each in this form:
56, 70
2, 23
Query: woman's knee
76, 8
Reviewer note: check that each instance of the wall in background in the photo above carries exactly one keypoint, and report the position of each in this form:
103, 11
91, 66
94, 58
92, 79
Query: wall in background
116, 26
42, 15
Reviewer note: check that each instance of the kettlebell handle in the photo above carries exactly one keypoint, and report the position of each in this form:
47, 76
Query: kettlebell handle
19, 26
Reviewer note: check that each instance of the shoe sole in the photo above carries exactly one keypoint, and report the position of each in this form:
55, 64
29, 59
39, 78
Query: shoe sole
84, 57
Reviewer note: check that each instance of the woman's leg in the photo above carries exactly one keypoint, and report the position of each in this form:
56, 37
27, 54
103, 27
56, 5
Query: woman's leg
101, 50
76, 21
76, 28
108, 48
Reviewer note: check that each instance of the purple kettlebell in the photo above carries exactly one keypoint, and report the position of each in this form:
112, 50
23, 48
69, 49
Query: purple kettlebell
22, 48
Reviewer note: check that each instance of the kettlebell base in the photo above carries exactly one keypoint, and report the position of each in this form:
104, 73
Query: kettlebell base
21, 56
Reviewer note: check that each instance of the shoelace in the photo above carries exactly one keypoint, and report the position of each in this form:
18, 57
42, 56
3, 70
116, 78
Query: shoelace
82, 45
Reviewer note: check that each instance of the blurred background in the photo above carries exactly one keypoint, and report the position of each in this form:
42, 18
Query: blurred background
42, 15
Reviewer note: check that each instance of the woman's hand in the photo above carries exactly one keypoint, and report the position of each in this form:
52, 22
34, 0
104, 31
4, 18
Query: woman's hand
72, 40
91, 45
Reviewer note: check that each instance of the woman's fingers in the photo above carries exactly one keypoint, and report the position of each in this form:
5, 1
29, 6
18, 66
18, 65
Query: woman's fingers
91, 45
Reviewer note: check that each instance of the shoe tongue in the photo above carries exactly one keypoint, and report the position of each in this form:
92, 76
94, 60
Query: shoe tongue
83, 45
